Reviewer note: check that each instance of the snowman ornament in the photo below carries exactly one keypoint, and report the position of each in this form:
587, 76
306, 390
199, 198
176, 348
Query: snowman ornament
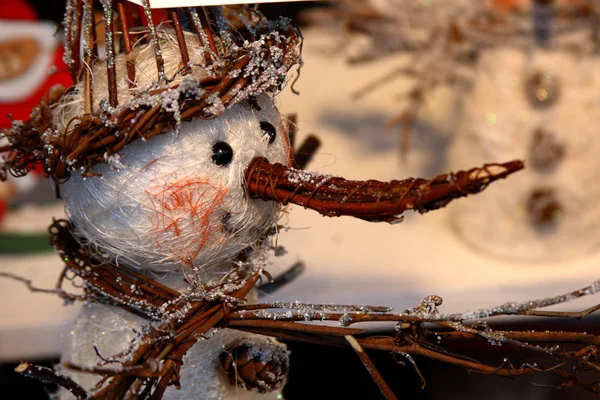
539, 102
174, 164
172, 205
176, 207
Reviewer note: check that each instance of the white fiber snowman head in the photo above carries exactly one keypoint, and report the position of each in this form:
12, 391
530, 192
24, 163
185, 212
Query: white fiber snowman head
177, 200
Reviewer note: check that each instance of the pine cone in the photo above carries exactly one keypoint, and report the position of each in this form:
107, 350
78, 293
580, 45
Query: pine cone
260, 365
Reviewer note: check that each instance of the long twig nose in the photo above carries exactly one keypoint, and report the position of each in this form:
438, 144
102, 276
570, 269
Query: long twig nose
369, 200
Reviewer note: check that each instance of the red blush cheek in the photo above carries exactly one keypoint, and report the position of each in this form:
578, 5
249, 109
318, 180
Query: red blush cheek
182, 220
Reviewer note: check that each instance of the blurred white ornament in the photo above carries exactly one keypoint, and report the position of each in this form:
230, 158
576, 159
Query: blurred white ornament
542, 106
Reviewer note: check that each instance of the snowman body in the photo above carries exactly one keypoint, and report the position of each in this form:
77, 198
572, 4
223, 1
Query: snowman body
174, 207
541, 106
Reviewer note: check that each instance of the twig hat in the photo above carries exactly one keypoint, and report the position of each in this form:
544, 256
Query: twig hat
206, 60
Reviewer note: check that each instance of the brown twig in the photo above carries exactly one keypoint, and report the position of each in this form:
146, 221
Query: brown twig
160, 62
305, 153
369, 200
63, 294
527, 336
185, 58
364, 358
564, 314
130, 63
111, 66
282, 279
139, 371
88, 52
51, 376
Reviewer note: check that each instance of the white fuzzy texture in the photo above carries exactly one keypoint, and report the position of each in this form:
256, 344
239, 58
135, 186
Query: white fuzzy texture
164, 206
496, 221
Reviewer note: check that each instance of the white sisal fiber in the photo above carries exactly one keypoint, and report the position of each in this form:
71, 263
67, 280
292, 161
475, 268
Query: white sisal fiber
162, 205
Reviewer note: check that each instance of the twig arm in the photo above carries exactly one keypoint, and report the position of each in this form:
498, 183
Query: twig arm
377, 378
49, 375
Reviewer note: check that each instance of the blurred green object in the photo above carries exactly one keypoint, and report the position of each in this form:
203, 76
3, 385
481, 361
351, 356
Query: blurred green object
24, 243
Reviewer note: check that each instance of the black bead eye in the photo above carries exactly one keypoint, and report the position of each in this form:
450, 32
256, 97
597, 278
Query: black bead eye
269, 130
222, 153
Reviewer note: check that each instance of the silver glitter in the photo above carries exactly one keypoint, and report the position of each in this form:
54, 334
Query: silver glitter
154, 41
108, 22
68, 24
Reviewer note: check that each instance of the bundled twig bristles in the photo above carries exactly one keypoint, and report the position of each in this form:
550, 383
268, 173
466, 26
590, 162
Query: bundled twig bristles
46, 374
243, 63
248, 367
153, 364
